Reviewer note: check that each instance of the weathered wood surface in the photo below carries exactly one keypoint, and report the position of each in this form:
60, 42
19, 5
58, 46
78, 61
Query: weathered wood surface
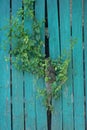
20, 109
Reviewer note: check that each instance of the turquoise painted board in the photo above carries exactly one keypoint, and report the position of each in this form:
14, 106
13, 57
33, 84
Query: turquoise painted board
67, 92
78, 65
17, 86
54, 49
5, 118
41, 112
53, 28
30, 102
30, 91
85, 48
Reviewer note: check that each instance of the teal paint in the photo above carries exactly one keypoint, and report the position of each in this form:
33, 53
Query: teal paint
5, 117
78, 65
54, 49
67, 92
35, 112
17, 86
53, 29
30, 119
41, 112
17, 100
85, 49
30, 95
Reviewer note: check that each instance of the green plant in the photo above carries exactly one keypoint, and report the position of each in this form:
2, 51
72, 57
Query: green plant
27, 53
56, 74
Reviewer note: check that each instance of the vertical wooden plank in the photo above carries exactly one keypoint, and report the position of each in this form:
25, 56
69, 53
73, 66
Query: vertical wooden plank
41, 112
53, 28
30, 102
17, 86
30, 91
85, 48
78, 65
65, 46
54, 49
5, 114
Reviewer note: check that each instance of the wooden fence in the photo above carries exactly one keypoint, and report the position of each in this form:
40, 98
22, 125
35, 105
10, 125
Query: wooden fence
20, 109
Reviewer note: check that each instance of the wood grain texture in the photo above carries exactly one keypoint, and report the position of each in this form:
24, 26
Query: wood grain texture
5, 118
41, 112
67, 91
85, 49
78, 65
30, 102
69, 109
53, 28
17, 85
30, 91
54, 49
